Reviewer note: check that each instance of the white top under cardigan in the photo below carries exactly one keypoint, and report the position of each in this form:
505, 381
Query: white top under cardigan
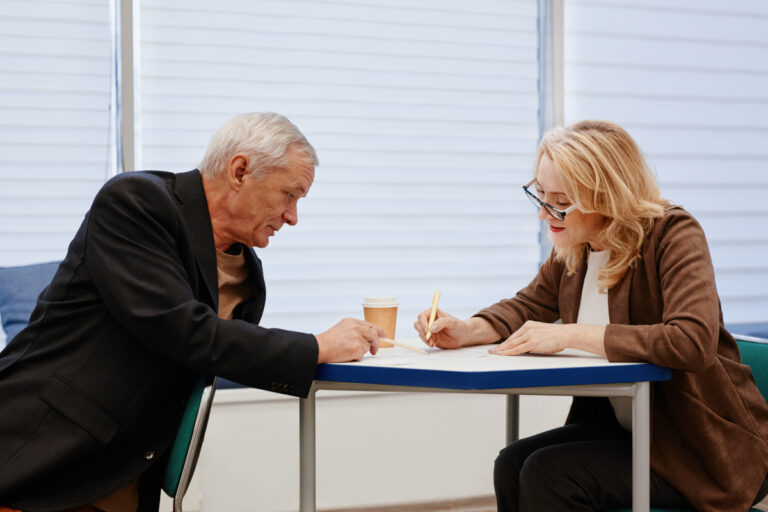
593, 310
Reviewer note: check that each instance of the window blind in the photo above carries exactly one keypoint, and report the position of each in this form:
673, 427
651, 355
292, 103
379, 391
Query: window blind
54, 122
424, 117
689, 80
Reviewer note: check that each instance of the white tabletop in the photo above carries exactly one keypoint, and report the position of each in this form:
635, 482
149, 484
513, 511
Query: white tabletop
475, 368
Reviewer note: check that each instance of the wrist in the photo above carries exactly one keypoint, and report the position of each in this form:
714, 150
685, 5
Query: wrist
321, 352
590, 338
480, 332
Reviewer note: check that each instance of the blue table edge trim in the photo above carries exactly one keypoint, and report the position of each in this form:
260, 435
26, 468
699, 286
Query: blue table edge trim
495, 379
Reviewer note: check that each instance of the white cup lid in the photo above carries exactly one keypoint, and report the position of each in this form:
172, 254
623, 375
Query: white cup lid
380, 302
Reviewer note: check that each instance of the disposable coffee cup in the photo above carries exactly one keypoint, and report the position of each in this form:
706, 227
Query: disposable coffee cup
382, 311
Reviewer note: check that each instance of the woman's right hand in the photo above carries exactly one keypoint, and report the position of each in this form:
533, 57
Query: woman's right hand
447, 330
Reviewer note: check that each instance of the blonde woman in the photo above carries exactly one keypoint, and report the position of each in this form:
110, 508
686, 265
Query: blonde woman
631, 278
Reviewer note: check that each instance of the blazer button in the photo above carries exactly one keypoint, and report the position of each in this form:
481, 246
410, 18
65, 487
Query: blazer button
149, 455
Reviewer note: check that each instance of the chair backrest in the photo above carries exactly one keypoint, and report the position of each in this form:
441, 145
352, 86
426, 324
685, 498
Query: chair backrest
19, 289
189, 439
754, 353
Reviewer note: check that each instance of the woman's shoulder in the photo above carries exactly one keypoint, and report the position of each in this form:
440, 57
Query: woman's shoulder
674, 214
677, 225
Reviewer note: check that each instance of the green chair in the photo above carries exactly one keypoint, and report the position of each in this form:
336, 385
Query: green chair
754, 353
189, 439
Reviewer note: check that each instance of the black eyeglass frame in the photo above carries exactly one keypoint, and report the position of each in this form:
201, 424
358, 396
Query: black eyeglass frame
538, 203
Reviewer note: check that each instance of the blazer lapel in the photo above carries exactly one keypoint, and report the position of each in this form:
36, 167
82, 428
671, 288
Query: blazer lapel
194, 210
618, 299
570, 293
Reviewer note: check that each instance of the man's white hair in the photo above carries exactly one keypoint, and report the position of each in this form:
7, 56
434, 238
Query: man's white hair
264, 137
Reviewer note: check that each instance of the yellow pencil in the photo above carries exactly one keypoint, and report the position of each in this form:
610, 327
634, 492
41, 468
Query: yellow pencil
435, 300
397, 343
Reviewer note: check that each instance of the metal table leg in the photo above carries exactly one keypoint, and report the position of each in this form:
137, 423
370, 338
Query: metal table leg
307, 467
513, 418
641, 447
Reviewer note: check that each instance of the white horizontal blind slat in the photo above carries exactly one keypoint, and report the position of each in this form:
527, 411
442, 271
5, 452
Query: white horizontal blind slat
424, 117
689, 80
54, 122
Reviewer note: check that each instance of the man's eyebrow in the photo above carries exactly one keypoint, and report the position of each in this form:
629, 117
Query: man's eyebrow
298, 187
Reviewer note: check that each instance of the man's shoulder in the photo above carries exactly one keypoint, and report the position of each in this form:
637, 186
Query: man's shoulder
140, 179
146, 186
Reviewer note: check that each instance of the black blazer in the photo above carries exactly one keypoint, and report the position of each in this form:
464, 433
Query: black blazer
92, 391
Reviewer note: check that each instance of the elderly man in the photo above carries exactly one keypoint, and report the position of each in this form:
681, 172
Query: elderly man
159, 286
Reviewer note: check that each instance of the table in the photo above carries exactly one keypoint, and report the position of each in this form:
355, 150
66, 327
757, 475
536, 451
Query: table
473, 370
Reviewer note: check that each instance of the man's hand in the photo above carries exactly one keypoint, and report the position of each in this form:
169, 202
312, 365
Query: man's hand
348, 340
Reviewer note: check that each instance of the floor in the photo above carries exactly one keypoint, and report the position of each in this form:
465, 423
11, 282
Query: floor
480, 504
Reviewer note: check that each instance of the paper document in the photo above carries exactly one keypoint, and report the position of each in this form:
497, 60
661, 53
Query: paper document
397, 356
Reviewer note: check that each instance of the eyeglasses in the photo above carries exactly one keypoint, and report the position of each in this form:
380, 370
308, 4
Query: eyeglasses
539, 204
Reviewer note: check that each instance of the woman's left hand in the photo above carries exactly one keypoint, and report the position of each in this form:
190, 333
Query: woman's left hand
546, 338
535, 337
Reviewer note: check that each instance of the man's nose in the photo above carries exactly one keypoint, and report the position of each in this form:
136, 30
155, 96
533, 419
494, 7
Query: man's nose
291, 215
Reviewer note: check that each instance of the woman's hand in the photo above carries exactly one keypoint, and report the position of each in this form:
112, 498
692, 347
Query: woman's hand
450, 332
546, 338
447, 330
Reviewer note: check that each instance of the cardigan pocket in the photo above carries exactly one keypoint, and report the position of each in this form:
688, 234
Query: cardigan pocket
78, 408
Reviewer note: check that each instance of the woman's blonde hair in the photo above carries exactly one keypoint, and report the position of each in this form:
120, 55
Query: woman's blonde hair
604, 171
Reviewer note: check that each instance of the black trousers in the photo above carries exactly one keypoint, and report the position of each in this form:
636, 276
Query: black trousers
578, 467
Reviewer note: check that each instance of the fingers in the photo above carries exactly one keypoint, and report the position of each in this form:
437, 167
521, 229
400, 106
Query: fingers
512, 346
421, 324
419, 330
511, 350
532, 337
349, 340
370, 334
441, 322
374, 347
379, 331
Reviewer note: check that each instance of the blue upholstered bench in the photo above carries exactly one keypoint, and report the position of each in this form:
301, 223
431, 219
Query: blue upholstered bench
19, 289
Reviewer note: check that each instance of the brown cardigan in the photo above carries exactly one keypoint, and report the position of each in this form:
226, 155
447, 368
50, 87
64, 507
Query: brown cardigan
709, 423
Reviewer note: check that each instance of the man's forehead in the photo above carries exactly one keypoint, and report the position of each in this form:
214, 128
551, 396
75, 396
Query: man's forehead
300, 177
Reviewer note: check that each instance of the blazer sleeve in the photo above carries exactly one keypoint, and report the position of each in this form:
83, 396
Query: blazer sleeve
135, 257
537, 301
687, 336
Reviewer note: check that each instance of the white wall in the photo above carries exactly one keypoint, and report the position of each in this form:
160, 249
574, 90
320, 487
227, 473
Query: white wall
372, 448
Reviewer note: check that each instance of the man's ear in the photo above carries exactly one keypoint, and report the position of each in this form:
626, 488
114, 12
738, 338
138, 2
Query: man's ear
237, 169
